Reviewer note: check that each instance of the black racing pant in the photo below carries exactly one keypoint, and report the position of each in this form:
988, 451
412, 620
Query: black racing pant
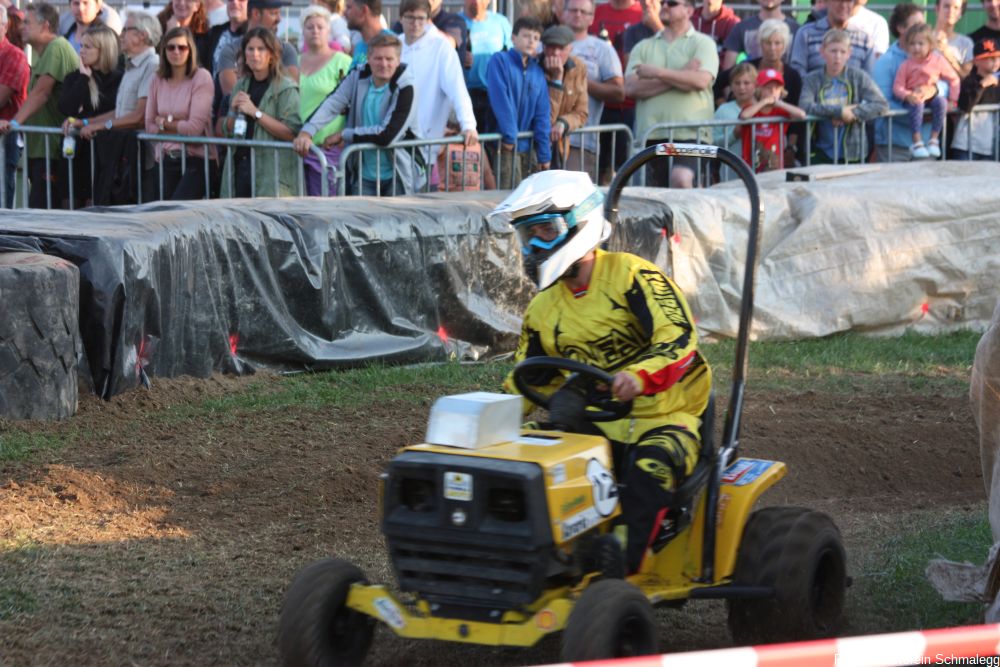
650, 473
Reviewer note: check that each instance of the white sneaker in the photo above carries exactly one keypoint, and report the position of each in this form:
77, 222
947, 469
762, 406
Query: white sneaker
919, 152
934, 149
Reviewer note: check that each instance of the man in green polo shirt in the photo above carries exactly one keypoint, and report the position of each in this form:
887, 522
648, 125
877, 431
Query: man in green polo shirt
53, 59
670, 76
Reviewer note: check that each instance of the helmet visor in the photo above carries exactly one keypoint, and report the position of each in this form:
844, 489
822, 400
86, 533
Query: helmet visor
541, 232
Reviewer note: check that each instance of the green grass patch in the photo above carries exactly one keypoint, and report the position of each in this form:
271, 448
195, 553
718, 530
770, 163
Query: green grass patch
17, 445
14, 601
840, 363
851, 361
890, 592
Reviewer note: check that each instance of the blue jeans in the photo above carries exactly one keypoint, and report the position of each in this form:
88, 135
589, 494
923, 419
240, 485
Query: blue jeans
12, 153
958, 154
379, 188
938, 106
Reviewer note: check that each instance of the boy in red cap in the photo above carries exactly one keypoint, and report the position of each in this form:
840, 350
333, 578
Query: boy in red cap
975, 132
764, 143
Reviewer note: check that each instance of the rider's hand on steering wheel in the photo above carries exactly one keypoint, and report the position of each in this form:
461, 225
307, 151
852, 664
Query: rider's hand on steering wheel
625, 386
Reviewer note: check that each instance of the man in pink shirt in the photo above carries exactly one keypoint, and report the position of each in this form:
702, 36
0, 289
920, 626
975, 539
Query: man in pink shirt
14, 75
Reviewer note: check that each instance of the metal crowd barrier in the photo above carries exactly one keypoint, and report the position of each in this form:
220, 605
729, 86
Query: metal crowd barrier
252, 144
490, 152
491, 145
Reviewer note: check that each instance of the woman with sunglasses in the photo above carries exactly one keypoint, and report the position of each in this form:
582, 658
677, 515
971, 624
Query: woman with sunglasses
190, 14
269, 102
179, 102
89, 92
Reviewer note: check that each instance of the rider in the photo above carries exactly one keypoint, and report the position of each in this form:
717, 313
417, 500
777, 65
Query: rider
621, 314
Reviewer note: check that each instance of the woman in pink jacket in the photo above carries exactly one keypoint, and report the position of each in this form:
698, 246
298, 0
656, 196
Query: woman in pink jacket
916, 87
180, 103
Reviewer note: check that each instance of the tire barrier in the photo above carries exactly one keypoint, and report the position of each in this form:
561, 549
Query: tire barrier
968, 645
39, 336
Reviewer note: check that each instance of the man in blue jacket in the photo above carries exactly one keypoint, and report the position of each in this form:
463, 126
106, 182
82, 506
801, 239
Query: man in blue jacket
519, 97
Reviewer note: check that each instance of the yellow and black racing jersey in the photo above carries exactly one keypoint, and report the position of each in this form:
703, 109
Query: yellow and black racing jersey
631, 318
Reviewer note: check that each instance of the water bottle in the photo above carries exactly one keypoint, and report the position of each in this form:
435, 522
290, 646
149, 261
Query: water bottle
240, 126
603, 34
69, 141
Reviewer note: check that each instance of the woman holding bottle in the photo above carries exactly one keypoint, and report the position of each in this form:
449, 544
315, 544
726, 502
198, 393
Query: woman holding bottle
264, 107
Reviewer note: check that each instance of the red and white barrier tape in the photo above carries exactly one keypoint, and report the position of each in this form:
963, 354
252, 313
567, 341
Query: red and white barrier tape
970, 645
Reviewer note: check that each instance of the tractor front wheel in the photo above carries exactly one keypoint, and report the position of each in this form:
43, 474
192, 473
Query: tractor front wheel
317, 627
800, 554
612, 619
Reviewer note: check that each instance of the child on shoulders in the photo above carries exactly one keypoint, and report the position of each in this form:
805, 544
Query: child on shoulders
916, 87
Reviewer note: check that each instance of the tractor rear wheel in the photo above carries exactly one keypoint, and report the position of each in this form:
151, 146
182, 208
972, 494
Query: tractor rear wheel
800, 553
612, 619
317, 627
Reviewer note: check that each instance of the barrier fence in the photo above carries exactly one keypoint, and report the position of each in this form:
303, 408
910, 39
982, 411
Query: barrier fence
486, 167
969, 645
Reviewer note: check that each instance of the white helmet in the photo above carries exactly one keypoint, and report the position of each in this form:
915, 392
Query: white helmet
570, 205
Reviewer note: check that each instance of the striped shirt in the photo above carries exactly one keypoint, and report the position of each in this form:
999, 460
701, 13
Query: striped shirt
806, 57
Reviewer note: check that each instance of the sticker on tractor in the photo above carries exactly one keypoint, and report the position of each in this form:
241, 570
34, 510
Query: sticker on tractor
458, 486
745, 471
603, 484
389, 612
580, 523
558, 473
538, 442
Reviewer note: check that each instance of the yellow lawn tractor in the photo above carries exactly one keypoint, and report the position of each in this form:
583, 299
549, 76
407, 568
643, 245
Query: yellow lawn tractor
501, 536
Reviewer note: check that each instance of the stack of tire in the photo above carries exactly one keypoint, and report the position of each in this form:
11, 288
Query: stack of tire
39, 336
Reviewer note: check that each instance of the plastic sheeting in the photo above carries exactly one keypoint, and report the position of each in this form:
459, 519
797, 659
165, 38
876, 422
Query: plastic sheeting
190, 288
910, 246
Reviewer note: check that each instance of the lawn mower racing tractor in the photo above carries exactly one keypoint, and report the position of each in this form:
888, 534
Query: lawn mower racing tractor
499, 536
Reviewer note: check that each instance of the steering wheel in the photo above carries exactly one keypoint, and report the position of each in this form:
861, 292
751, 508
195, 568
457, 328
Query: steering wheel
582, 376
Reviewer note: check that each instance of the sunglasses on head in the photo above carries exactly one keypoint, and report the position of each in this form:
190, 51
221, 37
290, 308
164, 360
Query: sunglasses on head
178, 47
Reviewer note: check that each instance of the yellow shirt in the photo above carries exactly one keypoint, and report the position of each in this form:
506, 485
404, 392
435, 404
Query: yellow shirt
632, 318
676, 106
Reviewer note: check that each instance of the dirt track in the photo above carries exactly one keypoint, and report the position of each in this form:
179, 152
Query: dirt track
159, 539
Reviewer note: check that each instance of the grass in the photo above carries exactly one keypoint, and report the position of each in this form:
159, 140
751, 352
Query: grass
890, 591
836, 363
847, 362
18, 445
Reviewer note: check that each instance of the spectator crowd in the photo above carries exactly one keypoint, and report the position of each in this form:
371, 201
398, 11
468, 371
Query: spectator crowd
662, 68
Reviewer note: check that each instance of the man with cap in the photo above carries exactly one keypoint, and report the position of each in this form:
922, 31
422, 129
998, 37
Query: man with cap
567, 78
260, 13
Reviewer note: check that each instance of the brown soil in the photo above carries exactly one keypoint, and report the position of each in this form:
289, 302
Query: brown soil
159, 539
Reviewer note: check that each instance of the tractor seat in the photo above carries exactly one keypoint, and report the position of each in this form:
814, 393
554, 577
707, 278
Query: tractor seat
681, 510
685, 494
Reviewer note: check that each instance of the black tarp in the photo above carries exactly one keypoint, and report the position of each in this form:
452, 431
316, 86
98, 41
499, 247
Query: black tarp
191, 288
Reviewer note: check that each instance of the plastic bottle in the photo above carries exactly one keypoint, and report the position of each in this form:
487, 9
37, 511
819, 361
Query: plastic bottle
603, 34
240, 126
69, 141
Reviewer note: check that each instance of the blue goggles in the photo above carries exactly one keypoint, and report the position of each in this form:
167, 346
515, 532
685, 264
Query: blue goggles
545, 231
